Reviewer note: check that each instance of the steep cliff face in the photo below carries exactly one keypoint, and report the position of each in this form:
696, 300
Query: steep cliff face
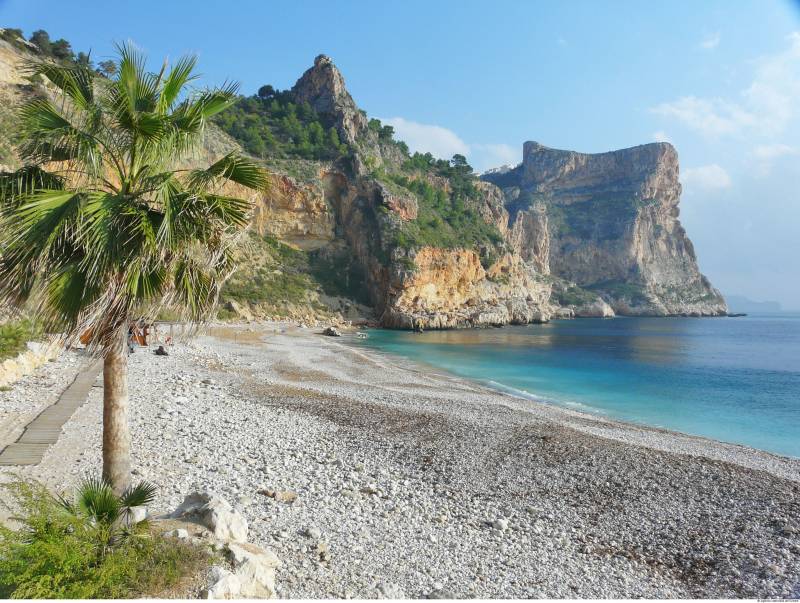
421, 287
450, 288
295, 213
612, 221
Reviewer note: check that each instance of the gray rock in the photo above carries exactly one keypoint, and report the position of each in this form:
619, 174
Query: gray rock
214, 513
390, 590
223, 584
255, 568
499, 524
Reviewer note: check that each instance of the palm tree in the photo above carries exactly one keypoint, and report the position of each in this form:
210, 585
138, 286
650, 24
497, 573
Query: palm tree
101, 227
105, 514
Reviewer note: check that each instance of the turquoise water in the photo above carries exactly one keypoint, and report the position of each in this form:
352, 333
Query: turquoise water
731, 379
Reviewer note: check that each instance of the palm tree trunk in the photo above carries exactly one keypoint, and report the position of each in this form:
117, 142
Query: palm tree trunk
116, 433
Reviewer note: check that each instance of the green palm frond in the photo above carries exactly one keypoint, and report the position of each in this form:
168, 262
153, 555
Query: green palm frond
67, 293
50, 134
101, 227
232, 167
16, 186
141, 494
76, 82
96, 500
180, 75
210, 102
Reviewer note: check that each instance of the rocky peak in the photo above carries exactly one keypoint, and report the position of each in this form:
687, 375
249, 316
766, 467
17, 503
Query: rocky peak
322, 86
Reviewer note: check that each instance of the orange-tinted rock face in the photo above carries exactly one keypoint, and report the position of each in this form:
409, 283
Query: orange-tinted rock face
295, 213
449, 288
404, 206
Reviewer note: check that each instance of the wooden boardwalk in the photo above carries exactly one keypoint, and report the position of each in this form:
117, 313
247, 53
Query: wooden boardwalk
44, 430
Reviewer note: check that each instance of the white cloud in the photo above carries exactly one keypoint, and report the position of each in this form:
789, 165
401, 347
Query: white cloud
765, 156
706, 178
764, 108
661, 136
444, 143
711, 41
773, 151
710, 117
427, 138
485, 156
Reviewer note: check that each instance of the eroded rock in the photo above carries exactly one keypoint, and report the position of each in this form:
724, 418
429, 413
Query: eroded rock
215, 513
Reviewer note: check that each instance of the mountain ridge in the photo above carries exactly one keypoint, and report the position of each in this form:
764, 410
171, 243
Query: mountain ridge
425, 242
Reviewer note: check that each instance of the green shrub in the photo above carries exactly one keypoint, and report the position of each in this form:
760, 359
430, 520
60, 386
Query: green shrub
574, 296
272, 124
58, 553
446, 220
225, 314
15, 335
633, 292
275, 273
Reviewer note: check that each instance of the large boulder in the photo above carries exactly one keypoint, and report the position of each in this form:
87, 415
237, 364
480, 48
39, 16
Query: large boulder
594, 309
215, 513
255, 568
224, 584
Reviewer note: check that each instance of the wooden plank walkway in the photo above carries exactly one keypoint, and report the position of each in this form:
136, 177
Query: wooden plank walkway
44, 430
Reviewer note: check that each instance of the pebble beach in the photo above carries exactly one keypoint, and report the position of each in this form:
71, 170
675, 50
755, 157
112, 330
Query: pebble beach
372, 477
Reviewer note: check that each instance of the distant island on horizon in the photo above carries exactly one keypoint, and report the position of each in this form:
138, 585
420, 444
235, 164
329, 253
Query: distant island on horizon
741, 303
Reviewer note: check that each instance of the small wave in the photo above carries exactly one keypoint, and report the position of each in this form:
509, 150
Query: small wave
521, 393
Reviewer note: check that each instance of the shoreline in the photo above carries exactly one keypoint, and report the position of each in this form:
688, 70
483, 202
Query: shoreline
599, 423
423, 484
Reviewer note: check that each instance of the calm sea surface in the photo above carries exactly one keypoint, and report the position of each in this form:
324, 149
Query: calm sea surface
732, 379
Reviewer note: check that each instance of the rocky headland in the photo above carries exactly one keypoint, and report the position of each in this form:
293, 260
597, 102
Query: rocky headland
612, 228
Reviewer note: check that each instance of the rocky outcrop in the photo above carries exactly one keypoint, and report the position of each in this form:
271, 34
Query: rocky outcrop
322, 86
451, 289
251, 569
433, 288
612, 220
25, 363
530, 237
296, 213
215, 513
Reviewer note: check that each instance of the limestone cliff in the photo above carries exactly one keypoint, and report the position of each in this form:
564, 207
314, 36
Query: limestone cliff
613, 228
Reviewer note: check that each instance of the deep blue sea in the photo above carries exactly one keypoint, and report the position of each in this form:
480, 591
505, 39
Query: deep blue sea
731, 379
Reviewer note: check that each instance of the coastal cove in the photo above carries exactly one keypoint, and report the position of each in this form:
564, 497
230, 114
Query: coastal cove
419, 484
733, 380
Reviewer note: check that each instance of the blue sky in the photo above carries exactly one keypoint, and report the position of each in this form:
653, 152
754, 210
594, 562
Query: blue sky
718, 79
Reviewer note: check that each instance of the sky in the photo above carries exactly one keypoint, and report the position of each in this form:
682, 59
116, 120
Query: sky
719, 79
